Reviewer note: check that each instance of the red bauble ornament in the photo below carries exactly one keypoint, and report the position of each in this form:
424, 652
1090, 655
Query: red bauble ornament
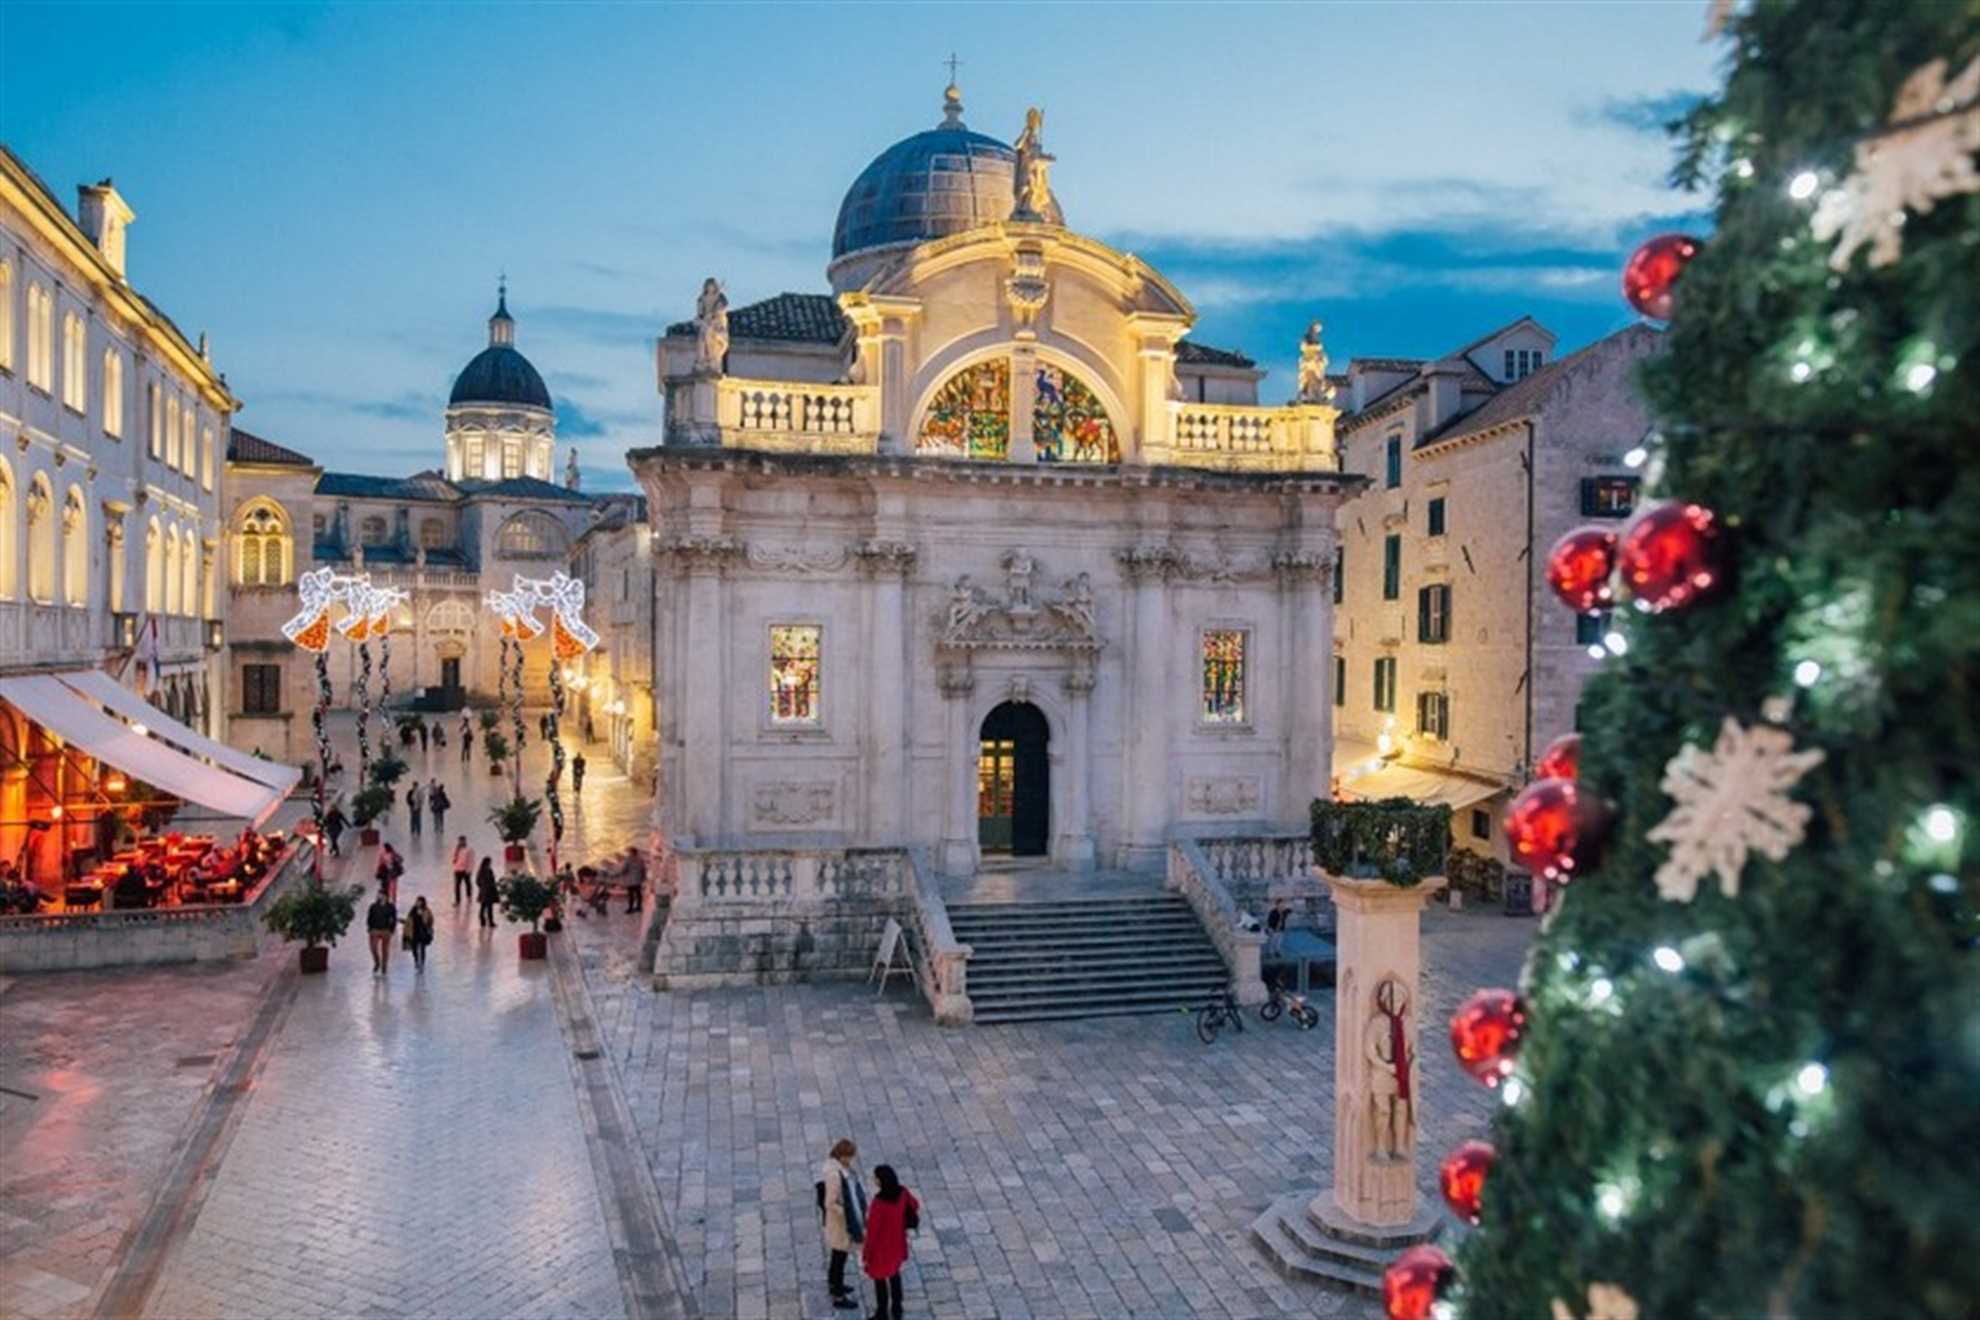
1557, 829
1562, 759
1579, 565
1485, 1033
1671, 554
1414, 1281
1462, 1178
1652, 272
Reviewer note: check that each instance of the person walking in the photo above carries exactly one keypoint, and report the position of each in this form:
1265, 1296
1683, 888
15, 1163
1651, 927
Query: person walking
424, 745
437, 802
440, 735
333, 828
380, 921
486, 891
577, 773
892, 1216
415, 804
390, 867
463, 871
467, 742
419, 934
842, 1212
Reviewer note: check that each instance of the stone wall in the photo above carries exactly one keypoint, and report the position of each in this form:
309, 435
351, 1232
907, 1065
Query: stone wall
770, 943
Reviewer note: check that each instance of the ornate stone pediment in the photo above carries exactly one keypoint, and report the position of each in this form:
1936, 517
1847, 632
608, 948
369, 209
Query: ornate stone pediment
1020, 617
802, 560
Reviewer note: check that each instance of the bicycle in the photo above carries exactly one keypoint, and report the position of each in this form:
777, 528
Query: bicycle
1211, 1017
1307, 1016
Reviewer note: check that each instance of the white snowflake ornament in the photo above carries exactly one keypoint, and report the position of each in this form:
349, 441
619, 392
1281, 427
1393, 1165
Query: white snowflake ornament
1731, 802
1606, 1301
1924, 158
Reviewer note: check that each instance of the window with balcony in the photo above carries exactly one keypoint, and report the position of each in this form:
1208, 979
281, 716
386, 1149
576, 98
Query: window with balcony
1435, 516
75, 369
40, 338
1392, 567
1433, 614
1433, 715
113, 393
1608, 497
796, 652
261, 689
1223, 676
1385, 683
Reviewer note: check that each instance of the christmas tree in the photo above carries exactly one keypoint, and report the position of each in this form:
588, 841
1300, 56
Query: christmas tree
1743, 1076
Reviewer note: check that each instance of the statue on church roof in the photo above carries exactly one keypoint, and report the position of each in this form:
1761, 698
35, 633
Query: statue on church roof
711, 327
571, 477
1313, 384
1032, 181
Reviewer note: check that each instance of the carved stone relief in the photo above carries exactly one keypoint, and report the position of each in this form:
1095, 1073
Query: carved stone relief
1231, 795
788, 803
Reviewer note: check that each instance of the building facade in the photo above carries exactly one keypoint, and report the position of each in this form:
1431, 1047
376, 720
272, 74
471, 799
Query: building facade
443, 536
109, 528
978, 552
1454, 664
615, 681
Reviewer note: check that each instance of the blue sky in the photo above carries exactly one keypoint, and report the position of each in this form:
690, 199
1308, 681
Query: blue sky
330, 192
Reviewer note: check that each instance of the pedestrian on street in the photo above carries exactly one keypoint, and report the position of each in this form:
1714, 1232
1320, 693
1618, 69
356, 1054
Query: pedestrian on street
543, 727
635, 873
577, 773
1275, 926
440, 735
463, 871
467, 742
842, 1211
423, 744
892, 1216
486, 891
415, 803
406, 736
333, 827
390, 867
437, 802
379, 924
419, 934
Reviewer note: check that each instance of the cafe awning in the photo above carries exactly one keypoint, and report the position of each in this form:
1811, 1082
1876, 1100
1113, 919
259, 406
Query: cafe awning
99, 686
79, 721
1429, 787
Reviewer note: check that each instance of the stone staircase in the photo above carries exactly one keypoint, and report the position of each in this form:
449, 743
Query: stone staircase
1327, 1248
1090, 956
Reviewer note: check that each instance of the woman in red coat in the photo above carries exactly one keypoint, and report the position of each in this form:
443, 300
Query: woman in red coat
891, 1215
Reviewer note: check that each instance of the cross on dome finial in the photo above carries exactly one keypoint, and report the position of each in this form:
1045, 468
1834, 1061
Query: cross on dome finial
501, 326
952, 106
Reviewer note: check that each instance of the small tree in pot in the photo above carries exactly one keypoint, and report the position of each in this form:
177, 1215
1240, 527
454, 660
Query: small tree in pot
366, 807
387, 770
527, 898
315, 915
515, 820
497, 748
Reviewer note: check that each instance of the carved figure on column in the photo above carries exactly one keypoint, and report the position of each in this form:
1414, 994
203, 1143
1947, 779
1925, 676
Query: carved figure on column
711, 327
966, 606
1077, 605
1313, 384
1032, 180
1386, 1040
1020, 567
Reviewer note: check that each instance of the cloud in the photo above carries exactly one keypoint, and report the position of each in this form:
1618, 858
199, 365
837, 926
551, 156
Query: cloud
408, 406
1651, 113
574, 423
602, 325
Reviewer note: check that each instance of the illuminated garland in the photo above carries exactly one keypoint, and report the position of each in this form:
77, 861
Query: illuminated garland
317, 592
570, 637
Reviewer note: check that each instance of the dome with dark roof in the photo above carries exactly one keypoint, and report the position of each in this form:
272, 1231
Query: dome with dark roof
939, 182
499, 374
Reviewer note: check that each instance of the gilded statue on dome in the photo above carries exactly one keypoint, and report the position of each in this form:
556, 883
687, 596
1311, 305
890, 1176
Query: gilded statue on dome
1032, 181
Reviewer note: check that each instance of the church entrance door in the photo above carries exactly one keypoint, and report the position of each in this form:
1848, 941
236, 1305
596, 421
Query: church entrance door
1013, 781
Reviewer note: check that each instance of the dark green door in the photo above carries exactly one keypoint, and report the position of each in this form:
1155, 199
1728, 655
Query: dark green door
1013, 781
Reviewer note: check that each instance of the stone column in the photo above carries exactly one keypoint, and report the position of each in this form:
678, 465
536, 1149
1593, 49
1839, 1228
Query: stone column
1378, 1002
1304, 578
886, 564
1076, 831
894, 382
957, 681
1158, 369
1024, 396
1146, 774
703, 561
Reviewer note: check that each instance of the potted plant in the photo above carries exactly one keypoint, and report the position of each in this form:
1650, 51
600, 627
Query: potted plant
366, 807
488, 717
515, 820
526, 898
315, 915
388, 769
498, 750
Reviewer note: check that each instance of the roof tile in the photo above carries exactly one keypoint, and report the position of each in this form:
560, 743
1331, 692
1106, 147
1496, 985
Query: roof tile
247, 447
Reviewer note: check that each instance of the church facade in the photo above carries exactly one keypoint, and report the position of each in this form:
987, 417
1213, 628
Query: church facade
979, 553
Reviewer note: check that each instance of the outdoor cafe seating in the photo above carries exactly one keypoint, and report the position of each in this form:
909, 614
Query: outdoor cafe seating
174, 870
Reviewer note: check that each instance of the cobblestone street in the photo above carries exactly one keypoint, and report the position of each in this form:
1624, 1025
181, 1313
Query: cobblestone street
414, 1145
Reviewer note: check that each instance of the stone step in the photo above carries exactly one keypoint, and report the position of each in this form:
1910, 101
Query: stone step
986, 940
1073, 1008
1183, 993
1165, 974
1074, 920
1158, 899
1046, 961
1288, 1255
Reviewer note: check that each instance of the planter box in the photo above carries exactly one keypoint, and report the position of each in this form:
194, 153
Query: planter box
368, 837
514, 853
495, 769
316, 960
533, 944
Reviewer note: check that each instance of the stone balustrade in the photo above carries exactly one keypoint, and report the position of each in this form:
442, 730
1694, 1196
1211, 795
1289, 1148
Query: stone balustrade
797, 416
1249, 437
1192, 875
943, 960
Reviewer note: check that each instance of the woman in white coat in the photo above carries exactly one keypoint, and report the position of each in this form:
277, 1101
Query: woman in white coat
842, 1208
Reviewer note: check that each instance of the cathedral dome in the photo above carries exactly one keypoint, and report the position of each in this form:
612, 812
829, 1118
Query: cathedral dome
499, 374
939, 182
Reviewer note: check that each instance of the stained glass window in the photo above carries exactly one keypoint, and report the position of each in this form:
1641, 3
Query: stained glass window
794, 674
1068, 424
1223, 676
970, 416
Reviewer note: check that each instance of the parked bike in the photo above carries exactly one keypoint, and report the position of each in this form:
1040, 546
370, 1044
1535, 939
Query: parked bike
1307, 1016
1219, 1012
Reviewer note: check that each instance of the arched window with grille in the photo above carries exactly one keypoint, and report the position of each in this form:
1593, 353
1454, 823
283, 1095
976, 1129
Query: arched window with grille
532, 535
75, 548
449, 616
41, 540
263, 546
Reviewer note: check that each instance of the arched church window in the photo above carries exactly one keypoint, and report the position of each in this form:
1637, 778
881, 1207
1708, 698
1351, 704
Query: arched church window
75, 549
449, 616
1223, 676
531, 536
1068, 424
264, 547
794, 662
970, 416
512, 458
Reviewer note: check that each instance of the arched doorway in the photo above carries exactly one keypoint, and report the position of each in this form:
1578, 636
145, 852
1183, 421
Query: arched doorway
1013, 781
